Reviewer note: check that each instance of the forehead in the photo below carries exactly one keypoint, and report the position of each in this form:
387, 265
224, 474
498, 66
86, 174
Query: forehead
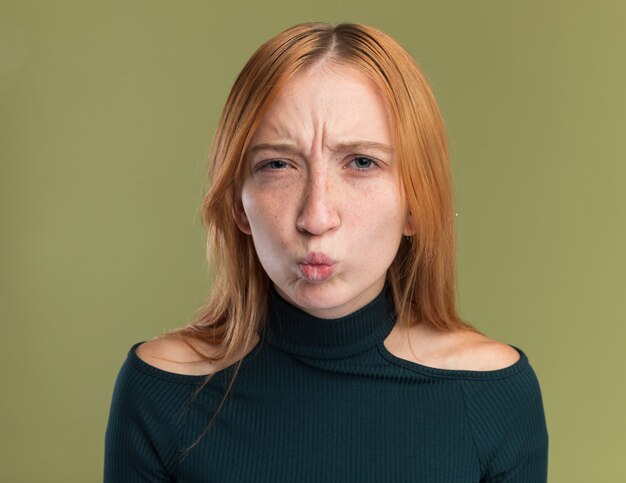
330, 103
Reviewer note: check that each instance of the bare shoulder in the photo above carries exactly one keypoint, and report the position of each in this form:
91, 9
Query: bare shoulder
476, 352
457, 350
175, 355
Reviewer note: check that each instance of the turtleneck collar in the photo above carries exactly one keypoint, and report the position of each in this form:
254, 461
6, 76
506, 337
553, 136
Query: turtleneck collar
295, 331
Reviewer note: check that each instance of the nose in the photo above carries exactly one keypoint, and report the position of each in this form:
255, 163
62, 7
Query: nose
318, 213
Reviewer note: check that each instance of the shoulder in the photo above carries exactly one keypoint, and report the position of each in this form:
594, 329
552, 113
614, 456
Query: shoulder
454, 350
186, 356
178, 356
476, 352
504, 414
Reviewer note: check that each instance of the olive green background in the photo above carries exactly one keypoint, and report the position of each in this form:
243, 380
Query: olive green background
106, 114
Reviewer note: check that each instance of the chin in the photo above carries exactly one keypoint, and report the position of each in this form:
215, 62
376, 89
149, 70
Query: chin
321, 299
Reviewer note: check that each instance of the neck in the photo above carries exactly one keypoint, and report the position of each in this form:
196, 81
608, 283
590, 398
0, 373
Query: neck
296, 331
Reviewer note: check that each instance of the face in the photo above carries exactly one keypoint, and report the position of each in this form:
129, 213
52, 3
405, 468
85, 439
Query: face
321, 196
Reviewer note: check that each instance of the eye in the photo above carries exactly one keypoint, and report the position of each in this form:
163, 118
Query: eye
363, 163
271, 165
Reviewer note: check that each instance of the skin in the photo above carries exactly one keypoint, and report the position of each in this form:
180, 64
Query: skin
315, 198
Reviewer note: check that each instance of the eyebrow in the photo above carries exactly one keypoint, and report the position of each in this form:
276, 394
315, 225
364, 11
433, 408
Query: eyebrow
338, 148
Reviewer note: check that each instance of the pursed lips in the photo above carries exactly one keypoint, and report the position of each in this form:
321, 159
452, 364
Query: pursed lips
316, 266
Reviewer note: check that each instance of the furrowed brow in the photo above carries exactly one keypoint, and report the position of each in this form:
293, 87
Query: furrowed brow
362, 145
338, 148
278, 147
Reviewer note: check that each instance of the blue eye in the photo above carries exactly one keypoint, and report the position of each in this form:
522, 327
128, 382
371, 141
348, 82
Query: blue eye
363, 163
274, 164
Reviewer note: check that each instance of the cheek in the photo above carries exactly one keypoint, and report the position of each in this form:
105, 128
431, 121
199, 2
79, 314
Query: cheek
380, 214
267, 219
379, 230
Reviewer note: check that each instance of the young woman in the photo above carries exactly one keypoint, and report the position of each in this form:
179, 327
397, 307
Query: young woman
329, 349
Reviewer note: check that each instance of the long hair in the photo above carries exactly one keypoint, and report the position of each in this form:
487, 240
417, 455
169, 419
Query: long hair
422, 275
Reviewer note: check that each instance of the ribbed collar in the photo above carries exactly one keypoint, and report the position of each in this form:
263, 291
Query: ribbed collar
295, 331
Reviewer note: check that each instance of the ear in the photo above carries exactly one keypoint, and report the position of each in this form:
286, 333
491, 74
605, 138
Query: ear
241, 219
409, 225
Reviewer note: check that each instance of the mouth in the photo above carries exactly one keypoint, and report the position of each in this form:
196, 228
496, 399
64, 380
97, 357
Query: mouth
316, 267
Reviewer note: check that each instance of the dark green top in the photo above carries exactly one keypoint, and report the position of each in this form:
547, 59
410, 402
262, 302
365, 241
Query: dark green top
322, 400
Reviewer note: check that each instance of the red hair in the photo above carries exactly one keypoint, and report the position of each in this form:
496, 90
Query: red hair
422, 275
